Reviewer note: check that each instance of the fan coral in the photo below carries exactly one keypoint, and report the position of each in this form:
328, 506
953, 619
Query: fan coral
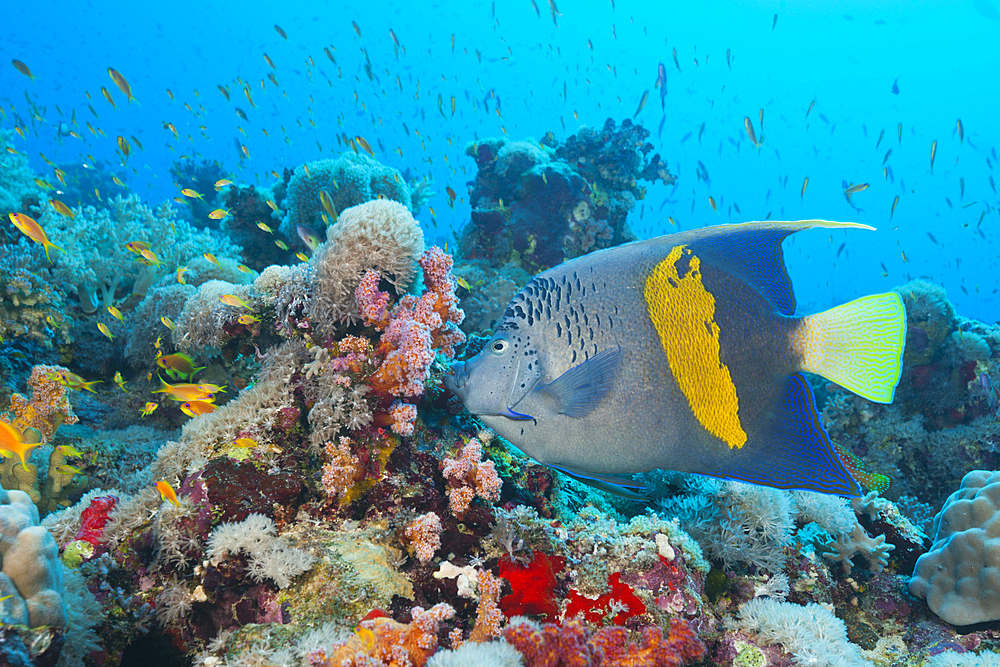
96, 259
349, 180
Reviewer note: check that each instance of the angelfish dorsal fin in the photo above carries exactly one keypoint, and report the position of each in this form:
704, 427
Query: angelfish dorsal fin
752, 250
578, 391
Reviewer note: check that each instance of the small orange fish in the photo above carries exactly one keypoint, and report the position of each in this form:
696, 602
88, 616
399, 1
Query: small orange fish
269, 61
211, 258
149, 408
210, 389
302, 257
62, 208
117, 181
75, 382
188, 192
235, 301
180, 274
170, 126
23, 69
219, 214
365, 145
748, 125
103, 328
150, 257
12, 441
183, 392
121, 83
179, 363
167, 492
137, 246
281, 244
33, 231
245, 442
197, 408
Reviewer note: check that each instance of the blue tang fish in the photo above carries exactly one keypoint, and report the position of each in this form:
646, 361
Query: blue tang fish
683, 353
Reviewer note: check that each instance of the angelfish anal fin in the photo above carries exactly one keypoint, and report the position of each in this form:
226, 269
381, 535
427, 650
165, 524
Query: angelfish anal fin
578, 391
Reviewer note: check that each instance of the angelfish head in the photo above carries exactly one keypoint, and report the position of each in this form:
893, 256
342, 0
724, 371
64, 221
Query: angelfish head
494, 381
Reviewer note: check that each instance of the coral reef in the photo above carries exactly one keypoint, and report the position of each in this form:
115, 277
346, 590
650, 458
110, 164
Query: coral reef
96, 261
536, 204
351, 179
31, 307
18, 190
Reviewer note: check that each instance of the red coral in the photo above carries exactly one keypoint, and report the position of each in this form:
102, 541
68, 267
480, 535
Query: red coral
93, 519
533, 585
681, 646
622, 600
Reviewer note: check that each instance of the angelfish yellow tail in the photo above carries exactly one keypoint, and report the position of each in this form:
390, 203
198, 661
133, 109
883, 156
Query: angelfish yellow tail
858, 345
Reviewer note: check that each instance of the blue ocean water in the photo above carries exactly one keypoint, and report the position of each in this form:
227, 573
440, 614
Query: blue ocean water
822, 75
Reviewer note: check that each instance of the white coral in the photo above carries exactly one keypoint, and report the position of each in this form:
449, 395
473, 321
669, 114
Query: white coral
270, 557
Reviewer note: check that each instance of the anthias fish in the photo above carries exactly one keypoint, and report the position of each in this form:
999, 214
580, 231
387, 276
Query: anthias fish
683, 353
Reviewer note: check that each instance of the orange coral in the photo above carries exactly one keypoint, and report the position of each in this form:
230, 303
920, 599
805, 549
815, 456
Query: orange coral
48, 408
488, 616
383, 641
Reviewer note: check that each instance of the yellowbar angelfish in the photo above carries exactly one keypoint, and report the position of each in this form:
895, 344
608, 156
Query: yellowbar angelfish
683, 353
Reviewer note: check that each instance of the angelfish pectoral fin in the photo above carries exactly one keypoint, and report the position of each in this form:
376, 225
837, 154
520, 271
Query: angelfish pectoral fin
510, 414
578, 391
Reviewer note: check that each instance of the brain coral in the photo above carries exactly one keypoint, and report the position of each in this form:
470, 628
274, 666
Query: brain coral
349, 180
960, 575
379, 235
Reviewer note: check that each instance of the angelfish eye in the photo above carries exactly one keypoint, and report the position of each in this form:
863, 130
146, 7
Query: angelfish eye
499, 346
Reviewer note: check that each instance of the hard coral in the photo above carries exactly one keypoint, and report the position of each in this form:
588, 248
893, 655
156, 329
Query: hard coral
349, 180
